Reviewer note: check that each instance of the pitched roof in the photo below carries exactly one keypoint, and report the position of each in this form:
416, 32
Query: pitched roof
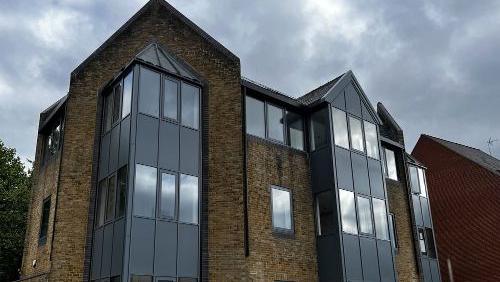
47, 115
320, 92
278, 95
479, 157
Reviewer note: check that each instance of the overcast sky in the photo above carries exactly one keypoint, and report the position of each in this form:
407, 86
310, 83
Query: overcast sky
434, 64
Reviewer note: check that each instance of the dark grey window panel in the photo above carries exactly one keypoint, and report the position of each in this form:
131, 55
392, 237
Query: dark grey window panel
255, 121
366, 114
95, 271
190, 105
113, 148
339, 101
149, 92
360, 174
376, 180
169, 146
426, 270
414, 180
321, 170
189, 152
187, 251
104, 156
417, 210
344, 170
107, 248
146, 149
426, 215
165, 249
353, 104
117, 255
352, 258
434, 266
329, 266
124, 142
385, 261
142, 246
369, 259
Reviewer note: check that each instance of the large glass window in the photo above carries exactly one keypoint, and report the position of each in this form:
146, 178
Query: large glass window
325, 213
170, 96
188, 199
390, 162
121, 194
101, 202
295, 130
348, 212
255, 123
167, 195
380, 215
371, 140
145, 190
275, 123
282, 210
110, 198
421, 180
319, 129
127, 94
117, 93
190, 105
365, 215
356, 134
149, 92
340, 132
44, 222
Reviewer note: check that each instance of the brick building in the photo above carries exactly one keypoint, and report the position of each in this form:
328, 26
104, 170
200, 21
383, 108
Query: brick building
464, 187
163, 164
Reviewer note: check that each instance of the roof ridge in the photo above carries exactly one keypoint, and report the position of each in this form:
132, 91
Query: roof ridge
453, 142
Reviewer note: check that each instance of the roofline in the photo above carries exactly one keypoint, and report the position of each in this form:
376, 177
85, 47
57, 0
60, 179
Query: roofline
389, 116
322, 98
54, 109
272, 93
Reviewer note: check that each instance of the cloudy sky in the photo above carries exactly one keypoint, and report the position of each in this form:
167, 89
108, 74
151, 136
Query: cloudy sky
434, 64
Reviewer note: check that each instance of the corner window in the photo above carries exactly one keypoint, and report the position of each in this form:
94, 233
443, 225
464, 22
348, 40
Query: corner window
121, 194
127, 94
167, 195
295, 130
380, 215
390, 162
325, 213
190, 105
101, 202
371, 140
255, 123
356, 134
275, 123
340, 132
348, 212
145, 190
170, 97
319, 129
110, 198
188, 199
365, 215
149, 92
44, 222
281, 208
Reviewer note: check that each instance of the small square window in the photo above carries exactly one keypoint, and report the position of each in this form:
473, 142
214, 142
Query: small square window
281, 202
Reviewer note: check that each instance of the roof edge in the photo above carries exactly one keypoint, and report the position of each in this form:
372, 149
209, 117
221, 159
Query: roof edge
390, 118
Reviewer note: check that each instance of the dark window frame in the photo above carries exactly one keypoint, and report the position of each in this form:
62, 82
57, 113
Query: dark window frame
43, 232
278, 230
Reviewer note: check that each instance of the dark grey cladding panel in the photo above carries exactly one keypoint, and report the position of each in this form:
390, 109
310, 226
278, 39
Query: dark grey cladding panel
146, 150
169, 146
321, 170
360, 174
113, 148
189, 152
353, 103
95, 271
187, 251
376, 179
352, 258
426, 215
343, 167
366, 114
107, 248
369, 259
385, 261
104, 156
142, 246
417, 210
339, 101
118, 240
434, 266
165, 249
124, 142
329, 258
426, 270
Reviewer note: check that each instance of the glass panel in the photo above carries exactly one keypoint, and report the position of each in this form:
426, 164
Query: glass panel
325, 214
340, 128
390, 159
295, 130
188, 199
431, 248
167, 197
170, 95
110, 201
190, 107
421, 180
101, 202
145, 190
348, 212
380, 215
371, 140
141, 278
149, 92
365, 215
393, 231
356, 134
255, 117
421, 241
116, 102
282, 212
44, 225
188, 279
127, 94
319, 129
116, 279
275, 123
414, 180
122, 192
108, 111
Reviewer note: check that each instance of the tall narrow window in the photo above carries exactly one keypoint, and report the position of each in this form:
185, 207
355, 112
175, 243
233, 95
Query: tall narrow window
44, 222
275, 123
190, 105
393, 231
127, 94
110, 198
295, 130
431, 248
421, 180
167, 195
421, 241
108, 112
371, 140
415, 187
340, 132
319, 129
348, 212
188, 199
390, 161
365, 215
255, 123
356, 134
117, 93
170, 94
145, 190
121, 194
101, 202
380, 215
149, 92
325, 213
281, 208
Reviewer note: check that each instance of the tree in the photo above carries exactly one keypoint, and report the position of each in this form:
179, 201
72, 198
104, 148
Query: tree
15, 186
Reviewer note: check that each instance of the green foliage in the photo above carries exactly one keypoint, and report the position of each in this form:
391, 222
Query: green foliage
15, 185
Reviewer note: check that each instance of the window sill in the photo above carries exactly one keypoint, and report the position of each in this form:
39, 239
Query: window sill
283, 233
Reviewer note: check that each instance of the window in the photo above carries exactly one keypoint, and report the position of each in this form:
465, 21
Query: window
421, 180
348, 212
340, 128
108, 112
371, 140
117, 93
393, 231
141, 278
188, 199
380, 215
356, 134
325, 213
365, 215
187, 279
421, 241
149, 92
390, 161
44, 222
170, 96
190, 108
281, 202
110, 198
101, 202
431, 248
295, 130
275, 123
319, 129
255, 123
121, 201
414, 180
52, 141
127, 94
145, 190
167, 195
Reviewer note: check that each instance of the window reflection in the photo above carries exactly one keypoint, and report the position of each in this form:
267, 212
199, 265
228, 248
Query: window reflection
170, 99
390, 159
188, 199
371, 140
421, 180
295, 130
380, 215
149, 92
190, 105
340, 128
275, 123
255, 117
167, 200
356, 134
145, 190
348, 212
365, 215
127, 94
282, 217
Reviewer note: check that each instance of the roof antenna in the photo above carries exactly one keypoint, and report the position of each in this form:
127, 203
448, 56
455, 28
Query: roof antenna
490, 143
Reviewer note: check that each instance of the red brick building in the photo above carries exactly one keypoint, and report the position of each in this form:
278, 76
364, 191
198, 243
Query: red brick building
464, 191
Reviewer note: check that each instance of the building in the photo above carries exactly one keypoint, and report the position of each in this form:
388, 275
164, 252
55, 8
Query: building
463, 185
163, 164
